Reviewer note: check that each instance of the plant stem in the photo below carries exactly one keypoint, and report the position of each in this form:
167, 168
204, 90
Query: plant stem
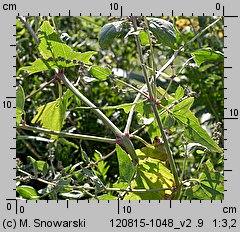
24, 21
140, 139
68, 135
124, 138
41, 88
155, 111
98, 112
175, 54
141, 58
130, 115
131, 86
152, 58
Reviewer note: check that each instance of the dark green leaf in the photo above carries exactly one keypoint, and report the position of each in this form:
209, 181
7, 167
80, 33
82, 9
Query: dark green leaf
126, 168
27, 192
97, 182
206, 54
100, 72
163, 31
20, 97
109, 32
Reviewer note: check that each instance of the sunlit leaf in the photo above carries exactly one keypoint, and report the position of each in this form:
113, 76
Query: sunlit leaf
27, 192
55, 53
192, 128
100, 72
206, 54
179, 93
51, 115
152, 174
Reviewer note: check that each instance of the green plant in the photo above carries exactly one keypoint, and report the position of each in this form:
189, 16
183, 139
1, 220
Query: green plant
172, 157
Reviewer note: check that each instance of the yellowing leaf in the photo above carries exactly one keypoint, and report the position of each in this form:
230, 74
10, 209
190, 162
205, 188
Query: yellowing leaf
152, 175
51, 115
157, 152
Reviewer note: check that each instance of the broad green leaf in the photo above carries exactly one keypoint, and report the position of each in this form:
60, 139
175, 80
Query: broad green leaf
109, 32
20, 97
52, 49
100, 72
51, 116
152, 174
27, 192
163, 31
192, 127
206, 54
179, 93
157, 152
126, 168
210, 185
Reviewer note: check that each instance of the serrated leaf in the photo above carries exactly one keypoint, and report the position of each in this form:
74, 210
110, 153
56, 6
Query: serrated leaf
192, 127
27, 192
100, 72
179, 93
126, 167
51, 47
109, 32
51, 115
152, 174
206, 54
163, 31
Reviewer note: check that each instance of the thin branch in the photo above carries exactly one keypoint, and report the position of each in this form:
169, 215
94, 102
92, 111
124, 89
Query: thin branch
175, 54
40, 89
24, 21
131, 86
130, 115
68, 135
140, 139
29, 146
123, 138
155, 111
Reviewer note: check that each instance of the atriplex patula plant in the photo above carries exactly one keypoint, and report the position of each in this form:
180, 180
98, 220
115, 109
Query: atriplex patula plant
162, 150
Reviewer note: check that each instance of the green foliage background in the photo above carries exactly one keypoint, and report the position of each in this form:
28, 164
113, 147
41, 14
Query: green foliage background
54, 161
